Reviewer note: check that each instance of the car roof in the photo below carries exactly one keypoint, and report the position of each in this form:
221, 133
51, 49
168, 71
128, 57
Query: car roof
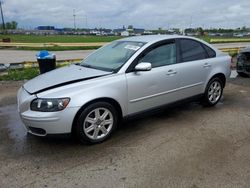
152, 38
156, 38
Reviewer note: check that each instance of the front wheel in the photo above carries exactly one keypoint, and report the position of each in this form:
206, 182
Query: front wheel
96, 122
213, 92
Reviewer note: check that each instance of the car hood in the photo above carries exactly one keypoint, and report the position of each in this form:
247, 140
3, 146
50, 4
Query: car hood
60, 77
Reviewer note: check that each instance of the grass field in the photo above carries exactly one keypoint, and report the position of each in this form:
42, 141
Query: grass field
58, 38
79, 42
23, 74
53, 48
95, 39
227, 40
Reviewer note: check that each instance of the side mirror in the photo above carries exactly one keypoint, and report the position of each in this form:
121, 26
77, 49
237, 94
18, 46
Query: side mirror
144, 66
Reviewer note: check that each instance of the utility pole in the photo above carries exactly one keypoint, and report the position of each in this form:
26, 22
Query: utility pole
2, 15
86, 21
74, 15
191, 21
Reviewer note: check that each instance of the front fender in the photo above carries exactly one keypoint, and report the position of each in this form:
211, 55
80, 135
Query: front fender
113, 87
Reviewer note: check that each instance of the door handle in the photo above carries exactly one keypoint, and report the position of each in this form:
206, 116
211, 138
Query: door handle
171, 72
207, 65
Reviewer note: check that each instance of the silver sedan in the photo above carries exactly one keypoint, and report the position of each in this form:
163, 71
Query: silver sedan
122, 79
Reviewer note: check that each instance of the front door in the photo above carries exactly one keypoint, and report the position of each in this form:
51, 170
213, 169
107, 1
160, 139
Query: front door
149, 89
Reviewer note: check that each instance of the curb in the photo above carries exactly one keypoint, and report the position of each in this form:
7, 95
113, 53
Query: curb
231, 49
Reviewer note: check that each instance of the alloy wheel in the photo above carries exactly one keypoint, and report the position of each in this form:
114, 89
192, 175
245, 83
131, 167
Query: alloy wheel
98, 123
214, 92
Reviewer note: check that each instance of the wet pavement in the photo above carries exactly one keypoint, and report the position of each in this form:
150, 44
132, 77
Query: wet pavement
183, 146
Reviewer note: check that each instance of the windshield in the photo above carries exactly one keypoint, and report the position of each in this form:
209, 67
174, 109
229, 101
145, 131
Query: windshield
112, 56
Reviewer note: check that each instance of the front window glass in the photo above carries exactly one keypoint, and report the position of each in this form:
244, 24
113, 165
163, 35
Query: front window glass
112, 56
161, 55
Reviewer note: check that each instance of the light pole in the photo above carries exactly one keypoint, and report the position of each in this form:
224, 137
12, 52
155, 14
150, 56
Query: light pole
2, 15
86, 21
74, 15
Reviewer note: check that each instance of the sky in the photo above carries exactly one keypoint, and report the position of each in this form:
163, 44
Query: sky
148, 14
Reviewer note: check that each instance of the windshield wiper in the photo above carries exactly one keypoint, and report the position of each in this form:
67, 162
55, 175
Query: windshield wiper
98, 68
87, 66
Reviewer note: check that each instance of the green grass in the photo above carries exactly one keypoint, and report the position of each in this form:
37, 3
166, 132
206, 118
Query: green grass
53, 48
227, 40
23, 74
233, 53
92, 39
58, 38
205, 38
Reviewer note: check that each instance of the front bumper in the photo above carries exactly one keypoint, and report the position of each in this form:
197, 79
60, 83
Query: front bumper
44, 123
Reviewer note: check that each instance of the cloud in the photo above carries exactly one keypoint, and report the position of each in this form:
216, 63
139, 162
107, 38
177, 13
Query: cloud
112, 14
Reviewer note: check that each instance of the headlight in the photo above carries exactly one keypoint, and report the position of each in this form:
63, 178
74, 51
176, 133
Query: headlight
49, 105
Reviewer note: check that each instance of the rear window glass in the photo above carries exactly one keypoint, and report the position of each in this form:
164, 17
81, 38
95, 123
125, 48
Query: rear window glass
211, 53
192, 50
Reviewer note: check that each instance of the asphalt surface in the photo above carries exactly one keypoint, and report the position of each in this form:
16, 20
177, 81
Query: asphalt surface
185, 146
19, 56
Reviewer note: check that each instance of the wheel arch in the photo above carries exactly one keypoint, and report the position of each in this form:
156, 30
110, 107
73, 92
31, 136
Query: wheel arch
111, 101
221, 76
205, 99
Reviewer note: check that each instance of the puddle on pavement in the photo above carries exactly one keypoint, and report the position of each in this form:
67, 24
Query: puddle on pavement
12, 127
14, 139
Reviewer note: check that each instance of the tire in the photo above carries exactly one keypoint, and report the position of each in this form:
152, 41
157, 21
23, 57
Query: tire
96, 123
242, 74
213, 92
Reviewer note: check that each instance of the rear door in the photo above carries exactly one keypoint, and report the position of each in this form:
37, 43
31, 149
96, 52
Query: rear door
194, 67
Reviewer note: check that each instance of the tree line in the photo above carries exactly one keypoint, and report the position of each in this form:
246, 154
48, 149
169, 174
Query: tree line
10, 25
217, 30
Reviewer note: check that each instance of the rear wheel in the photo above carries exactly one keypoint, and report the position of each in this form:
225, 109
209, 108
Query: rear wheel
97, 122
213, 92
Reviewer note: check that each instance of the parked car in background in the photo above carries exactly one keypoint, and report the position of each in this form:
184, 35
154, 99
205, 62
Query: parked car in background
243, 62
124, 78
